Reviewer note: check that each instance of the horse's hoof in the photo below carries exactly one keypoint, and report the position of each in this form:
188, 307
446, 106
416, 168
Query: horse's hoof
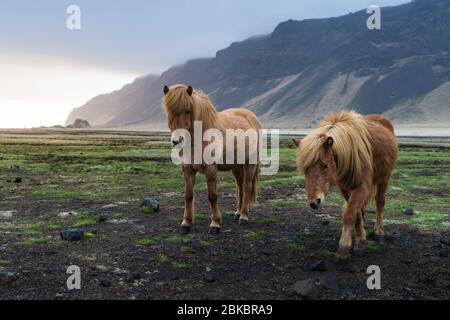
214, 231
344, 255
185, 229
243, 222
236, 217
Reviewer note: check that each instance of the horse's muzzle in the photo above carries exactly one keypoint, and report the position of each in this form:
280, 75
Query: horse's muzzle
177, 142
316, 205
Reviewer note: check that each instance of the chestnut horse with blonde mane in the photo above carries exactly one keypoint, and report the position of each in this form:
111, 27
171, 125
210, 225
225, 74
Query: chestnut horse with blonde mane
184, 106
358, 153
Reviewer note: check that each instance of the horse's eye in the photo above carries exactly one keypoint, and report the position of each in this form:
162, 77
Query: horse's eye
188, 111
325, 167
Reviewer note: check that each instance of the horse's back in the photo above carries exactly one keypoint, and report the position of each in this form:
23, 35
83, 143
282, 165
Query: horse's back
382, 120
384, 145
240, 118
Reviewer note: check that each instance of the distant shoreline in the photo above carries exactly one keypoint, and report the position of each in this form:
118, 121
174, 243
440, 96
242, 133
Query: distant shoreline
404, 132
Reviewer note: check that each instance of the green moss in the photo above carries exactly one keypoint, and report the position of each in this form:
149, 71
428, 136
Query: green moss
147, 241
186, 250
84, 222
327, 254
120, 215
206, 243
54, 227
270, 221
256, 235
60, 194
33, 242
165, 260
179, 238
280, 203
373, 246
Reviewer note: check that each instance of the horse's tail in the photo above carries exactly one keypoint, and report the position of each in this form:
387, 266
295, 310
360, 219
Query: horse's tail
255, 185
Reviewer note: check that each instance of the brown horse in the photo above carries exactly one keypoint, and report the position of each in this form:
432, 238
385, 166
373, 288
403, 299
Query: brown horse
185, 106
358, 154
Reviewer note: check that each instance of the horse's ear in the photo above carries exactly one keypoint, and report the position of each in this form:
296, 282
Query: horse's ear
328, 142
189, 90
297, 142
166, 90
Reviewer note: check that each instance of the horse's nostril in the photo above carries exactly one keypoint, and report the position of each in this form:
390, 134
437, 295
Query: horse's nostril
318, 201
313, 205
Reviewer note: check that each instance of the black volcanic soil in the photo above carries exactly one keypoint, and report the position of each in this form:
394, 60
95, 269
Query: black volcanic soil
261, 260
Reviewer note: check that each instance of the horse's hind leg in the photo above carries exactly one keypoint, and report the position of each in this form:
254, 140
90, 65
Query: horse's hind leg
239, 176
211, 181
249, 174
380, 200
189, 182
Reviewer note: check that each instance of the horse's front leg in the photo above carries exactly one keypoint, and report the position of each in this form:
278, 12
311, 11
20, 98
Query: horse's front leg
354, 205
211, 181
189, 182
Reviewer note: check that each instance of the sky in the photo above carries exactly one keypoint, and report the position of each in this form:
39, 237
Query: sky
46, 69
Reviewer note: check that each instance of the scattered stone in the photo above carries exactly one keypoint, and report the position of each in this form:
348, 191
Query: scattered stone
133, 277
445, 240
18, 180
446, 223
209, 276
72, 235
329, 281
110, 206
67, 214
119, 221
7, 214
101, 267
105, 282
325, 223
307, 289
59, 296
437, 245
150, 205
408, 211
7, 225
391, 236
290, 292
260, 243
317, 266
102, 218
94, 231
7, 277
266, 251
443, 253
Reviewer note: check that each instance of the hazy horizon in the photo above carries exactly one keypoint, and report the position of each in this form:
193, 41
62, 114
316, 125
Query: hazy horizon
47, 70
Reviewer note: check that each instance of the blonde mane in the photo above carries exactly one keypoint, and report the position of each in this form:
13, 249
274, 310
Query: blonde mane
177, 100
351, 148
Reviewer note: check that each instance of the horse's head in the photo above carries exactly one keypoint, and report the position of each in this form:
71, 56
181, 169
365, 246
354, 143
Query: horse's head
178, 105
319, 170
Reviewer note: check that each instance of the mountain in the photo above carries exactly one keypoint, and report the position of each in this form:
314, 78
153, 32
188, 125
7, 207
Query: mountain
305, 69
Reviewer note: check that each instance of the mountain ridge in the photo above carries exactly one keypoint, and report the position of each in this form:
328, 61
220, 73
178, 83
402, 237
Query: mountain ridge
304, 69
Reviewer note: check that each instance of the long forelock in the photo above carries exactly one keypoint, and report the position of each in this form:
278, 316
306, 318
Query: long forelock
351, 147
176, 101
